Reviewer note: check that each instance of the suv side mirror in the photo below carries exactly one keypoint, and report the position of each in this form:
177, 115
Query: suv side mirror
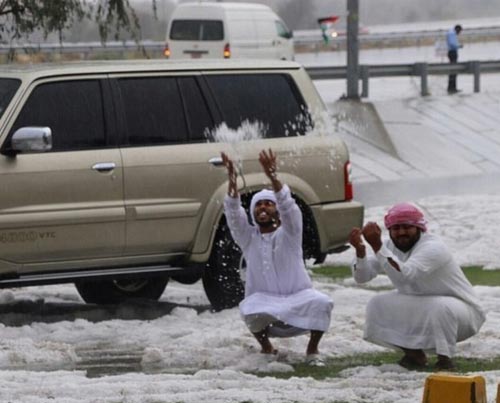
30, 139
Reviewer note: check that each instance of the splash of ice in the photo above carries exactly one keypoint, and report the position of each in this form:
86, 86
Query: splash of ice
308, 123
248, 131
324, 125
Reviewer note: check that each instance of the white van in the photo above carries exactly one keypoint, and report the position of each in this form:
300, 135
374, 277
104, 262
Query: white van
227, 30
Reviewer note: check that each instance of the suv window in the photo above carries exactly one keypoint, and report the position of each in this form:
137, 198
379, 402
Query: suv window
197, 30
156, 108
270, 99
198, 116
8, 88
72, 109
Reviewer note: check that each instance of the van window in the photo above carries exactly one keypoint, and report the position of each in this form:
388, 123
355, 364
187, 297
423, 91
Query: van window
72, 109
8, 88
197, 30
164, 110
282, 30
270, 99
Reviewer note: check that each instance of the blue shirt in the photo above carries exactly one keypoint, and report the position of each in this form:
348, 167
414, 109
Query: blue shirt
452, 40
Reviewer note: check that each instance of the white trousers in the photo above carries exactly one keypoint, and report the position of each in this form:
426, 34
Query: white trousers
290, 314
431, 323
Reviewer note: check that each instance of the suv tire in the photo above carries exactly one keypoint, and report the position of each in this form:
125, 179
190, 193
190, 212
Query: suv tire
221, 278
117, 291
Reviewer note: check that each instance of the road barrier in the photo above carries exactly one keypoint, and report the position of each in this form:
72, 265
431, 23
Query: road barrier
301, 38
152, 49
422, 70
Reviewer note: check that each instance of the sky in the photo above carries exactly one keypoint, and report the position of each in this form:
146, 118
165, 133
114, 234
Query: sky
54, 348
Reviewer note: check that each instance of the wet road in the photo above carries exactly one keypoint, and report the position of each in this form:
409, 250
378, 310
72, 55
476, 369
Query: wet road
99, 357
386, 193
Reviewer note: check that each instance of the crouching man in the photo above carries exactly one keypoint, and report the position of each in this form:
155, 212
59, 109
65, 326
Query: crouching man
279, 298
433, 306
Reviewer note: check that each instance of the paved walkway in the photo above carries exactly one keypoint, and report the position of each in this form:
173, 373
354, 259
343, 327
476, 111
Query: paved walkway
422, 137
421, 146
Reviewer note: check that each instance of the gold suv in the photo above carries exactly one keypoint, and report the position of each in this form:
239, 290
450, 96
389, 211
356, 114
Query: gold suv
111, 174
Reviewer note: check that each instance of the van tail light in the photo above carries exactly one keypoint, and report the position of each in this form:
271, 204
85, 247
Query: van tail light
348, 191
166, 51
227, 51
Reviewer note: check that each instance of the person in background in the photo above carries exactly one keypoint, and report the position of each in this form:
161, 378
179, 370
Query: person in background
279, 298
453, 46
433, 305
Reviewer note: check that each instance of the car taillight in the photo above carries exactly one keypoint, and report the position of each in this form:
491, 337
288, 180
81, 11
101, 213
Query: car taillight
227, 51
166, 51
348, 191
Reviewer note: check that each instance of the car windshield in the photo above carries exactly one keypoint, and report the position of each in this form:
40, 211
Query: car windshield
197, 30
8, 88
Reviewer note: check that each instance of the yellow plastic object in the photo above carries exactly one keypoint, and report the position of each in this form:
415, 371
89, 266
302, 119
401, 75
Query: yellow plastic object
444, 388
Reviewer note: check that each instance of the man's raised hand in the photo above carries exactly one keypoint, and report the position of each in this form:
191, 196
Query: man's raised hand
228, 163
373, 235
356, 240
268, 161
231, 173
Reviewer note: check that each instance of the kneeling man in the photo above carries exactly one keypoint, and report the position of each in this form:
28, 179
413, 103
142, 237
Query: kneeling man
279, 298
434, 305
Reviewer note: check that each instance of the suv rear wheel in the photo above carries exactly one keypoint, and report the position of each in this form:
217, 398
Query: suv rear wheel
222, 276
117, 291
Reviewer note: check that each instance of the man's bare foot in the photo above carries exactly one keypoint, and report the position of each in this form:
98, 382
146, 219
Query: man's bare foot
265, 343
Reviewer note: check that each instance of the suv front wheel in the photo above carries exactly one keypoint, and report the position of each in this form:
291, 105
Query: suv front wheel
117, 291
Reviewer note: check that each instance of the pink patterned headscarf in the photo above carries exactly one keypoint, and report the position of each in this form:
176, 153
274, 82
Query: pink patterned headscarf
405, 213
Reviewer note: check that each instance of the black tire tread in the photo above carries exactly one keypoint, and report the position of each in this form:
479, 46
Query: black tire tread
106, 292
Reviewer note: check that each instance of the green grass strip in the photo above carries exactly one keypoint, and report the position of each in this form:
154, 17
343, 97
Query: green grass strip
335, 365
475, 274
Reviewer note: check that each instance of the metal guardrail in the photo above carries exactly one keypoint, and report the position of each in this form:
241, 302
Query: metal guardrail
83, 47
306, 37
317, 73
471, 34
423, 70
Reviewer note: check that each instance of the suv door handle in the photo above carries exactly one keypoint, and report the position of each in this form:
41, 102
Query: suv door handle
216, 161
104, 166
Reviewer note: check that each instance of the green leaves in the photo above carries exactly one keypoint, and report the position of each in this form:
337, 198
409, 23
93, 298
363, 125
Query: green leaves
21, 18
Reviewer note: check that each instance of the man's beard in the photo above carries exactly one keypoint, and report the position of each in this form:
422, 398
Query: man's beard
408, 243
273, 222
266, 224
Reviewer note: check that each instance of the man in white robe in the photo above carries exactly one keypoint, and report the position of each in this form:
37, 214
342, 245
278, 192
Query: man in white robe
279, 298
433, 305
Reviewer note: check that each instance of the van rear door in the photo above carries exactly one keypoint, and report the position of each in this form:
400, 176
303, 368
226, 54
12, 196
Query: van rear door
196, 38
